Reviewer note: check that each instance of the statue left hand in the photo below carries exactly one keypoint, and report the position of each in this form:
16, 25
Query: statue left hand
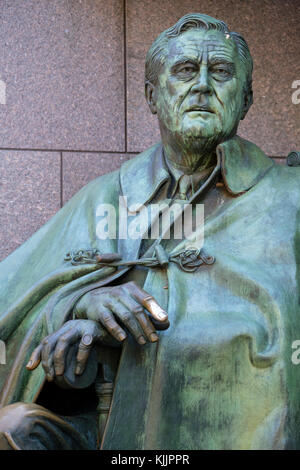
53, 349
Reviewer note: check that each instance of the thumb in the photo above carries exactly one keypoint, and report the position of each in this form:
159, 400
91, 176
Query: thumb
35, 358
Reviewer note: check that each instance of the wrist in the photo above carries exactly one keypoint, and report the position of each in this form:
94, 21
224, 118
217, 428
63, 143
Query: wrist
80, 308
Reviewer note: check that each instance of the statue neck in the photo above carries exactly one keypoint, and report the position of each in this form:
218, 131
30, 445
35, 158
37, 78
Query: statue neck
190, 161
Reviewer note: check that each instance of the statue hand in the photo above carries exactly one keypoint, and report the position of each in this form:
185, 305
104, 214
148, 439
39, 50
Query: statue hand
125, 303
54, 348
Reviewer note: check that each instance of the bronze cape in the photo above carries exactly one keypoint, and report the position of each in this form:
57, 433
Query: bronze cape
222, 374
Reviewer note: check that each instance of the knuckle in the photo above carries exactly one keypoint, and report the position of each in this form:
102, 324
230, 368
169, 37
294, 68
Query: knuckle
45, 366
126, 317
106, 317
101, 302
62, 340
58, 356
115, 329
138, 310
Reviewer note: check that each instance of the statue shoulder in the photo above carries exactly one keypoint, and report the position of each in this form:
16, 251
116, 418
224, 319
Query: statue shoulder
288, 172
141, 160
107, 187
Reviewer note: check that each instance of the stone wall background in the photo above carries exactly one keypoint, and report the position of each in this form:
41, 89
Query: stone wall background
73, 72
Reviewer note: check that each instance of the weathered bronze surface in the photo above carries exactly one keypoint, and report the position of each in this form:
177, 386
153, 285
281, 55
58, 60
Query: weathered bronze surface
184, 346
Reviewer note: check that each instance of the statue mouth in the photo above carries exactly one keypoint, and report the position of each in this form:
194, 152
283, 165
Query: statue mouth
200, 109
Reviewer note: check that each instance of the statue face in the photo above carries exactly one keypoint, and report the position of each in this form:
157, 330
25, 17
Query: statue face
200, 87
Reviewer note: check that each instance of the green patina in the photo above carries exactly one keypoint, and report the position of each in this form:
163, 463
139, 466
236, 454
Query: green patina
221, 376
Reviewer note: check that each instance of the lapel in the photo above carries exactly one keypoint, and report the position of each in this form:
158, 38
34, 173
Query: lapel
243, 164
140, 179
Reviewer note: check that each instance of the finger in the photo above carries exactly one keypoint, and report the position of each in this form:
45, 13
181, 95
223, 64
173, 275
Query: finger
35, 358
107, 319
92, 333
47, 363
84, 349
148, 302
147, 326
126, 313
138, 316
159, 326
49, 344
62, 347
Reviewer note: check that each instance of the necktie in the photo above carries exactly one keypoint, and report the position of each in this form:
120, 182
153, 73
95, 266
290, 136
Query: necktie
188, 184
184, 184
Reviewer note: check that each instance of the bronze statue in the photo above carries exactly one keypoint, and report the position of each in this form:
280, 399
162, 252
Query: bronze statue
157, 343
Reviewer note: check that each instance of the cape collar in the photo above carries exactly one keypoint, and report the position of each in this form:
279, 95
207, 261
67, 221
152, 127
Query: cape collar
243, 164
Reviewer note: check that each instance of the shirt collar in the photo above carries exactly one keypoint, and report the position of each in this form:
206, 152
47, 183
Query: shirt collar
195, 179
243, 164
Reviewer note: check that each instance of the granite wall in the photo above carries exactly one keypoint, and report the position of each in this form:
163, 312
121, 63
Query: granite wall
71, 92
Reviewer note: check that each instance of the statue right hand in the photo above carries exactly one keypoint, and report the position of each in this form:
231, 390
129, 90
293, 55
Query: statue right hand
53, 350
128, 304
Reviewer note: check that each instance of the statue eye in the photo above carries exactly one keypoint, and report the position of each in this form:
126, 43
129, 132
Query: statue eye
186, 70
221, 71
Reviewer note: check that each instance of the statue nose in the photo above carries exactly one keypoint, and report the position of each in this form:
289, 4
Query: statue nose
202, 84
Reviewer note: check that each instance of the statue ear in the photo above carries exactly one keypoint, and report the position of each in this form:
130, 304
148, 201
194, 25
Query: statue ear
150, 93
248, 100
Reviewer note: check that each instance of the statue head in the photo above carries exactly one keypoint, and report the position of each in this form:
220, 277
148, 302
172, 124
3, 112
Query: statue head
198, 80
